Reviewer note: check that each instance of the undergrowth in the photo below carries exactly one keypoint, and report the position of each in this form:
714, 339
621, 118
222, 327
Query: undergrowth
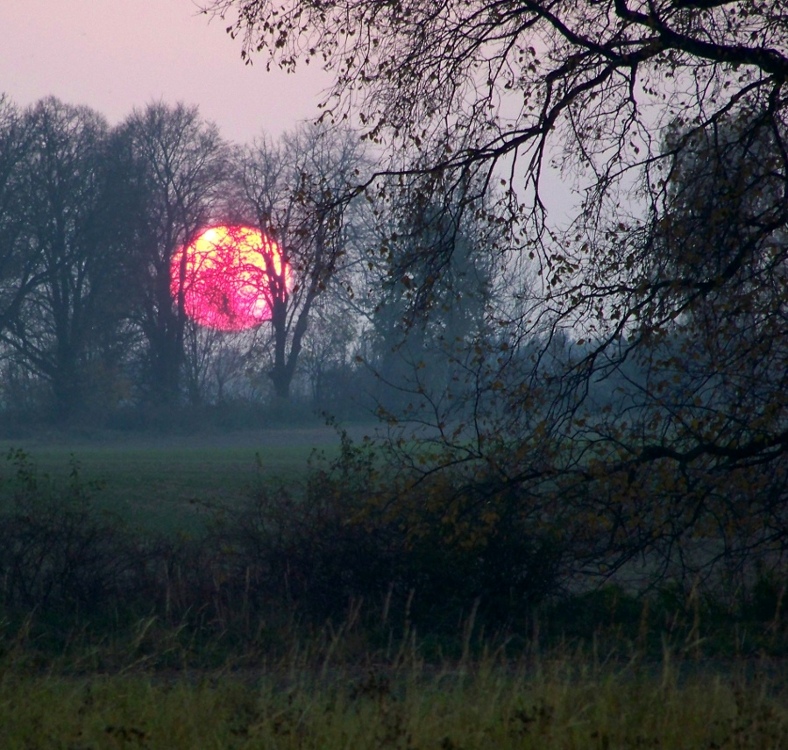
320, 621
331, 559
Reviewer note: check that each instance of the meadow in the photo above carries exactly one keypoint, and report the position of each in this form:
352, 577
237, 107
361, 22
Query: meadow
166, 483
564, 700
188, 645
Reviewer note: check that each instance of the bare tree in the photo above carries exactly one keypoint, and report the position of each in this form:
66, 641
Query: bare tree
295, 193
176, 164
67, 261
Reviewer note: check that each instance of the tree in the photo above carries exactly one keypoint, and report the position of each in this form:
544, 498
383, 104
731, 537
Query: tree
17, 267
295, 194
602, 77
502, 91
66, 264
708, 332
327, 355
174, 165
591, 85
728, 321
423, 345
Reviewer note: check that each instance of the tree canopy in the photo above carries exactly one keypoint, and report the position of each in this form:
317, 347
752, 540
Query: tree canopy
667, 285
469, 83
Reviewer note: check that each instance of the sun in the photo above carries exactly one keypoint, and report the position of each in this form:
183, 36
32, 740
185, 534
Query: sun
229, 276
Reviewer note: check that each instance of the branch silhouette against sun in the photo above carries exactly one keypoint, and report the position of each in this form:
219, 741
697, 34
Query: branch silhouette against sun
234, 275
290, 191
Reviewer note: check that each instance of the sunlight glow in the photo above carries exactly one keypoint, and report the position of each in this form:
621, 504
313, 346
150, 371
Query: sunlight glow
229, 277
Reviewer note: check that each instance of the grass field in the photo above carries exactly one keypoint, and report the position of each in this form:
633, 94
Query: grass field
564, 702
164, 483
219, 675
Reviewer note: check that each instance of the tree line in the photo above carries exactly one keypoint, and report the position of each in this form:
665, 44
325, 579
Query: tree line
91, 217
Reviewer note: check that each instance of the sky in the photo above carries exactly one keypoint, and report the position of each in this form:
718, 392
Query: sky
115, 55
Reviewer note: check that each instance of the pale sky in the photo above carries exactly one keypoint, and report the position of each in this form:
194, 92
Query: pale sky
114, 55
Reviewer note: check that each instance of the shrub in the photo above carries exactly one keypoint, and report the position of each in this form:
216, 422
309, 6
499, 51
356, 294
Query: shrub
56, 552
350, 538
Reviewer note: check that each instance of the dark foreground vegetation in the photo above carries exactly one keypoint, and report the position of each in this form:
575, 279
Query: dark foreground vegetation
312, 616
335, 551
566, 700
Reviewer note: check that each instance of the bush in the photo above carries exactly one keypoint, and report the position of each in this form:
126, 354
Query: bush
397, 556
54, 553
349, 539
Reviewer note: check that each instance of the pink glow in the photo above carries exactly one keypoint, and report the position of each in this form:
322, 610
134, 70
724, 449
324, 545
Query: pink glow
115, 55
230, 278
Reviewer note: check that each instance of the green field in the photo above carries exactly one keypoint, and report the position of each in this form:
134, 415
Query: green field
166, 483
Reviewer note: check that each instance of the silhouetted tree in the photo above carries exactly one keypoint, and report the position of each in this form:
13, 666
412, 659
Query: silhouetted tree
69, 267
295, 193
17, 263
329, 346
176, 164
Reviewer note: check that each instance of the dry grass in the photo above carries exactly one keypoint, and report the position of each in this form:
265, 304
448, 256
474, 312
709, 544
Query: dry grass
561, 701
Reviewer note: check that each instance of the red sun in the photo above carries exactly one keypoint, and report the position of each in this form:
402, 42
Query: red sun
230, 277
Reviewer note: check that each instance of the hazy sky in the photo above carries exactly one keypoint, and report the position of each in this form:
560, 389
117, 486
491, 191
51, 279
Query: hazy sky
114, 55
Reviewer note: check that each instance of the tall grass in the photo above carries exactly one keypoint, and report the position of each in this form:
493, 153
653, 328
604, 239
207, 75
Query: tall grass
559, 700
286, 625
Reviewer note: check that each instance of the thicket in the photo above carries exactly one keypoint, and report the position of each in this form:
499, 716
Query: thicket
344, 559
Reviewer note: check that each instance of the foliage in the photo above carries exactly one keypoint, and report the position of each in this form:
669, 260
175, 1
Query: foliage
57, 556
670, 119
347, 540
422, 360
16, 266
473, 84
343, 568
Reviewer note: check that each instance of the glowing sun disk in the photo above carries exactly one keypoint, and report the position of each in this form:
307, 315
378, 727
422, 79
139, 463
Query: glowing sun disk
229, 277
